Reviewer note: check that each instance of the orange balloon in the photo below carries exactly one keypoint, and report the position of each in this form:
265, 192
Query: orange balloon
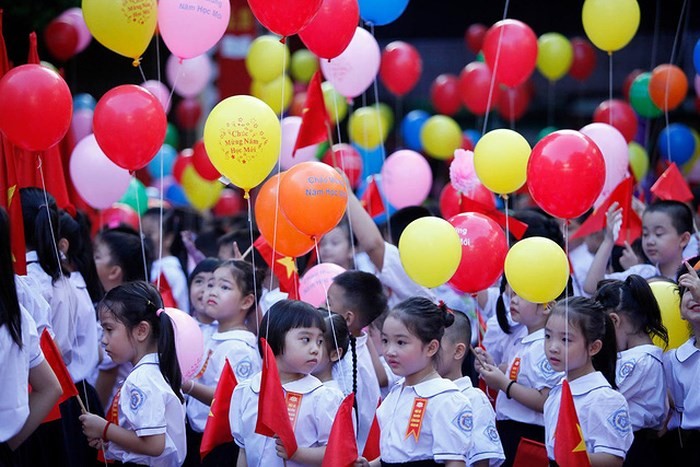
671, 77
313, 196
289, 241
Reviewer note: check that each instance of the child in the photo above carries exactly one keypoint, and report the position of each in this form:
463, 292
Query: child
294, 332
640, 373
585, 347
486, 447
682, 370
524, 382
198, 283
150, 428
336, 341
426, 418
666, 230
230, 295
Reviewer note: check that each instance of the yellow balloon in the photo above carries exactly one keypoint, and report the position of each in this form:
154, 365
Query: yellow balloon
387, 115
366, 128
201, 193
500, 160
440, 136
256, 88
537, 269
610, 24
639, 160
242, 137
123, 26
430, 251
267, 58
555, 55
688, 166
336, 103
666, 294
278, 93
304, 65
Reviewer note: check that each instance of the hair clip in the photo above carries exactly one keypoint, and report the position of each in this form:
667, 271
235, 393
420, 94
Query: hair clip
159, 310
443, 306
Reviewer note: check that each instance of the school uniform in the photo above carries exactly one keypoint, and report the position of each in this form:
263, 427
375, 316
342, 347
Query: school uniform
35, 304
171, 268
580, 259
647, 271
148, 406
486, 443
497, 343
602, 413
428, 423
313, 414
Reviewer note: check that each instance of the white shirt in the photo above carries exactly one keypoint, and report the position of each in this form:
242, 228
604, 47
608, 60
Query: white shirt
35, 304
581, 260
640, 378
529, 366
85, 350
368, 393
240, 347
645, 270
446, 429
602, 413
177, 280
15, 364
148, 406
486, 443
314, 419
682, 370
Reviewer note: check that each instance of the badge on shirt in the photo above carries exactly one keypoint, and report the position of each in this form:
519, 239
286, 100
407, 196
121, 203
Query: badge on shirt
620, 420
136, 398
545, 368
515, 369
244, 369
464, 421
415, 421
492, 433
626, 368
204, 367
293, 403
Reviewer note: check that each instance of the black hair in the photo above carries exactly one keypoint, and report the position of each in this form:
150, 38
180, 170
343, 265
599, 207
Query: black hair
284, 316
363, 293
124, 245
206, 265
461, 331
41, 228
634, 298
242, 272
680, 214
174, 221
424, 318
80, 253
336, 333
501, 312
138, 301
590, 318
10, 314
403, 217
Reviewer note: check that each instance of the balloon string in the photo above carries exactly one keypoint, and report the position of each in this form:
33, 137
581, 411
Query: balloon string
143, 76
610, 81
172, 91
668, 79
160, 218
566, 300
551, 98
143, 247
158, 57
511, 105
252, 259
495, 70
655, 40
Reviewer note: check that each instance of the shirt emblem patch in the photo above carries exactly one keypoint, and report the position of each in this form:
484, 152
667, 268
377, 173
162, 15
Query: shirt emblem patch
626, 368
464, 421
620, 420
545, 367
136, 399
492, 434
244, 369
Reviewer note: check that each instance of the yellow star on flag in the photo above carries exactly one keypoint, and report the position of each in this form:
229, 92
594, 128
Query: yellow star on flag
289, 264
211, 414
10, 193
581, 446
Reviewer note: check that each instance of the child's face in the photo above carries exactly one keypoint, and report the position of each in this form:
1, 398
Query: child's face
116, 338
303, 349
103, 263
660, 240
524, 312
198, 289
404, 352
690, 309
223, 298
558, 339
335, 248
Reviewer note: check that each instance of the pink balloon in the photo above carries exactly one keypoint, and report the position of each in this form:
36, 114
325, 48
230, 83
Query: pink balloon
290, 130
189, 343
406, 178
75, 16
352, 72
159, 90
89, 169
615, 152
313, 286
191, 31
189, 77
81, 124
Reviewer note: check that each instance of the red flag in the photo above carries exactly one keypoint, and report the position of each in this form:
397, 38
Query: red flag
371, 451
53, 357
371, 199
272, 404
569, 445
341, 450
217, 431
515, 227
530, 454
284, 267
671, 186
314, 119
166, 292
631, 227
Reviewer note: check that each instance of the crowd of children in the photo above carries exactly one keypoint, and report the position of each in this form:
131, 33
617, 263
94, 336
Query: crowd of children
430, 386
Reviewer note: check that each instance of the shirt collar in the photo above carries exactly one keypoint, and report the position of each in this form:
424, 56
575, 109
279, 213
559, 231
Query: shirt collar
433, 387
305, 385
238, 334
31, 256
588, 383
463, 383
149, 358
685, 351
532, 337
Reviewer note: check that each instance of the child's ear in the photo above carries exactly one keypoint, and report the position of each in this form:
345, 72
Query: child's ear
142, 331
350, 317
685, 239
115, 273
616, 319
247, 301
335, 355
433, 347
63, 246
595, 347
460, 351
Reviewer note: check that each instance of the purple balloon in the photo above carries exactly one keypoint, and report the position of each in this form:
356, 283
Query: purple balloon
75, 17
161, 92
189, 77
81, 124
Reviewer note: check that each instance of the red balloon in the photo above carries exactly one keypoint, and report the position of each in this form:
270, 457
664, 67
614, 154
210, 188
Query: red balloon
332, 29
230, 203
298, 102
474, 84
451, 200
565, 173
181, 163
619, 114
35, 107
474, 37
627, 84
285, 17
483, 244
188, 112
202, 163
512, 103
584, 60
287, 240
345, 157
129, 125
119, 214
518, 51
444, 94
61, 38
401, 67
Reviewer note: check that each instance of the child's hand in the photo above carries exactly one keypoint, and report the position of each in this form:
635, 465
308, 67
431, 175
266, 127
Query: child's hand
613, 221
494, 377
96, 443
93, 425
280, 449
629, 258
361, 462
482, 358
690, 281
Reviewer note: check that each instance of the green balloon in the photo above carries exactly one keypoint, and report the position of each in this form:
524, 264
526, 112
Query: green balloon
639, 97
480, 57
545, 131
172, 136
136, 196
